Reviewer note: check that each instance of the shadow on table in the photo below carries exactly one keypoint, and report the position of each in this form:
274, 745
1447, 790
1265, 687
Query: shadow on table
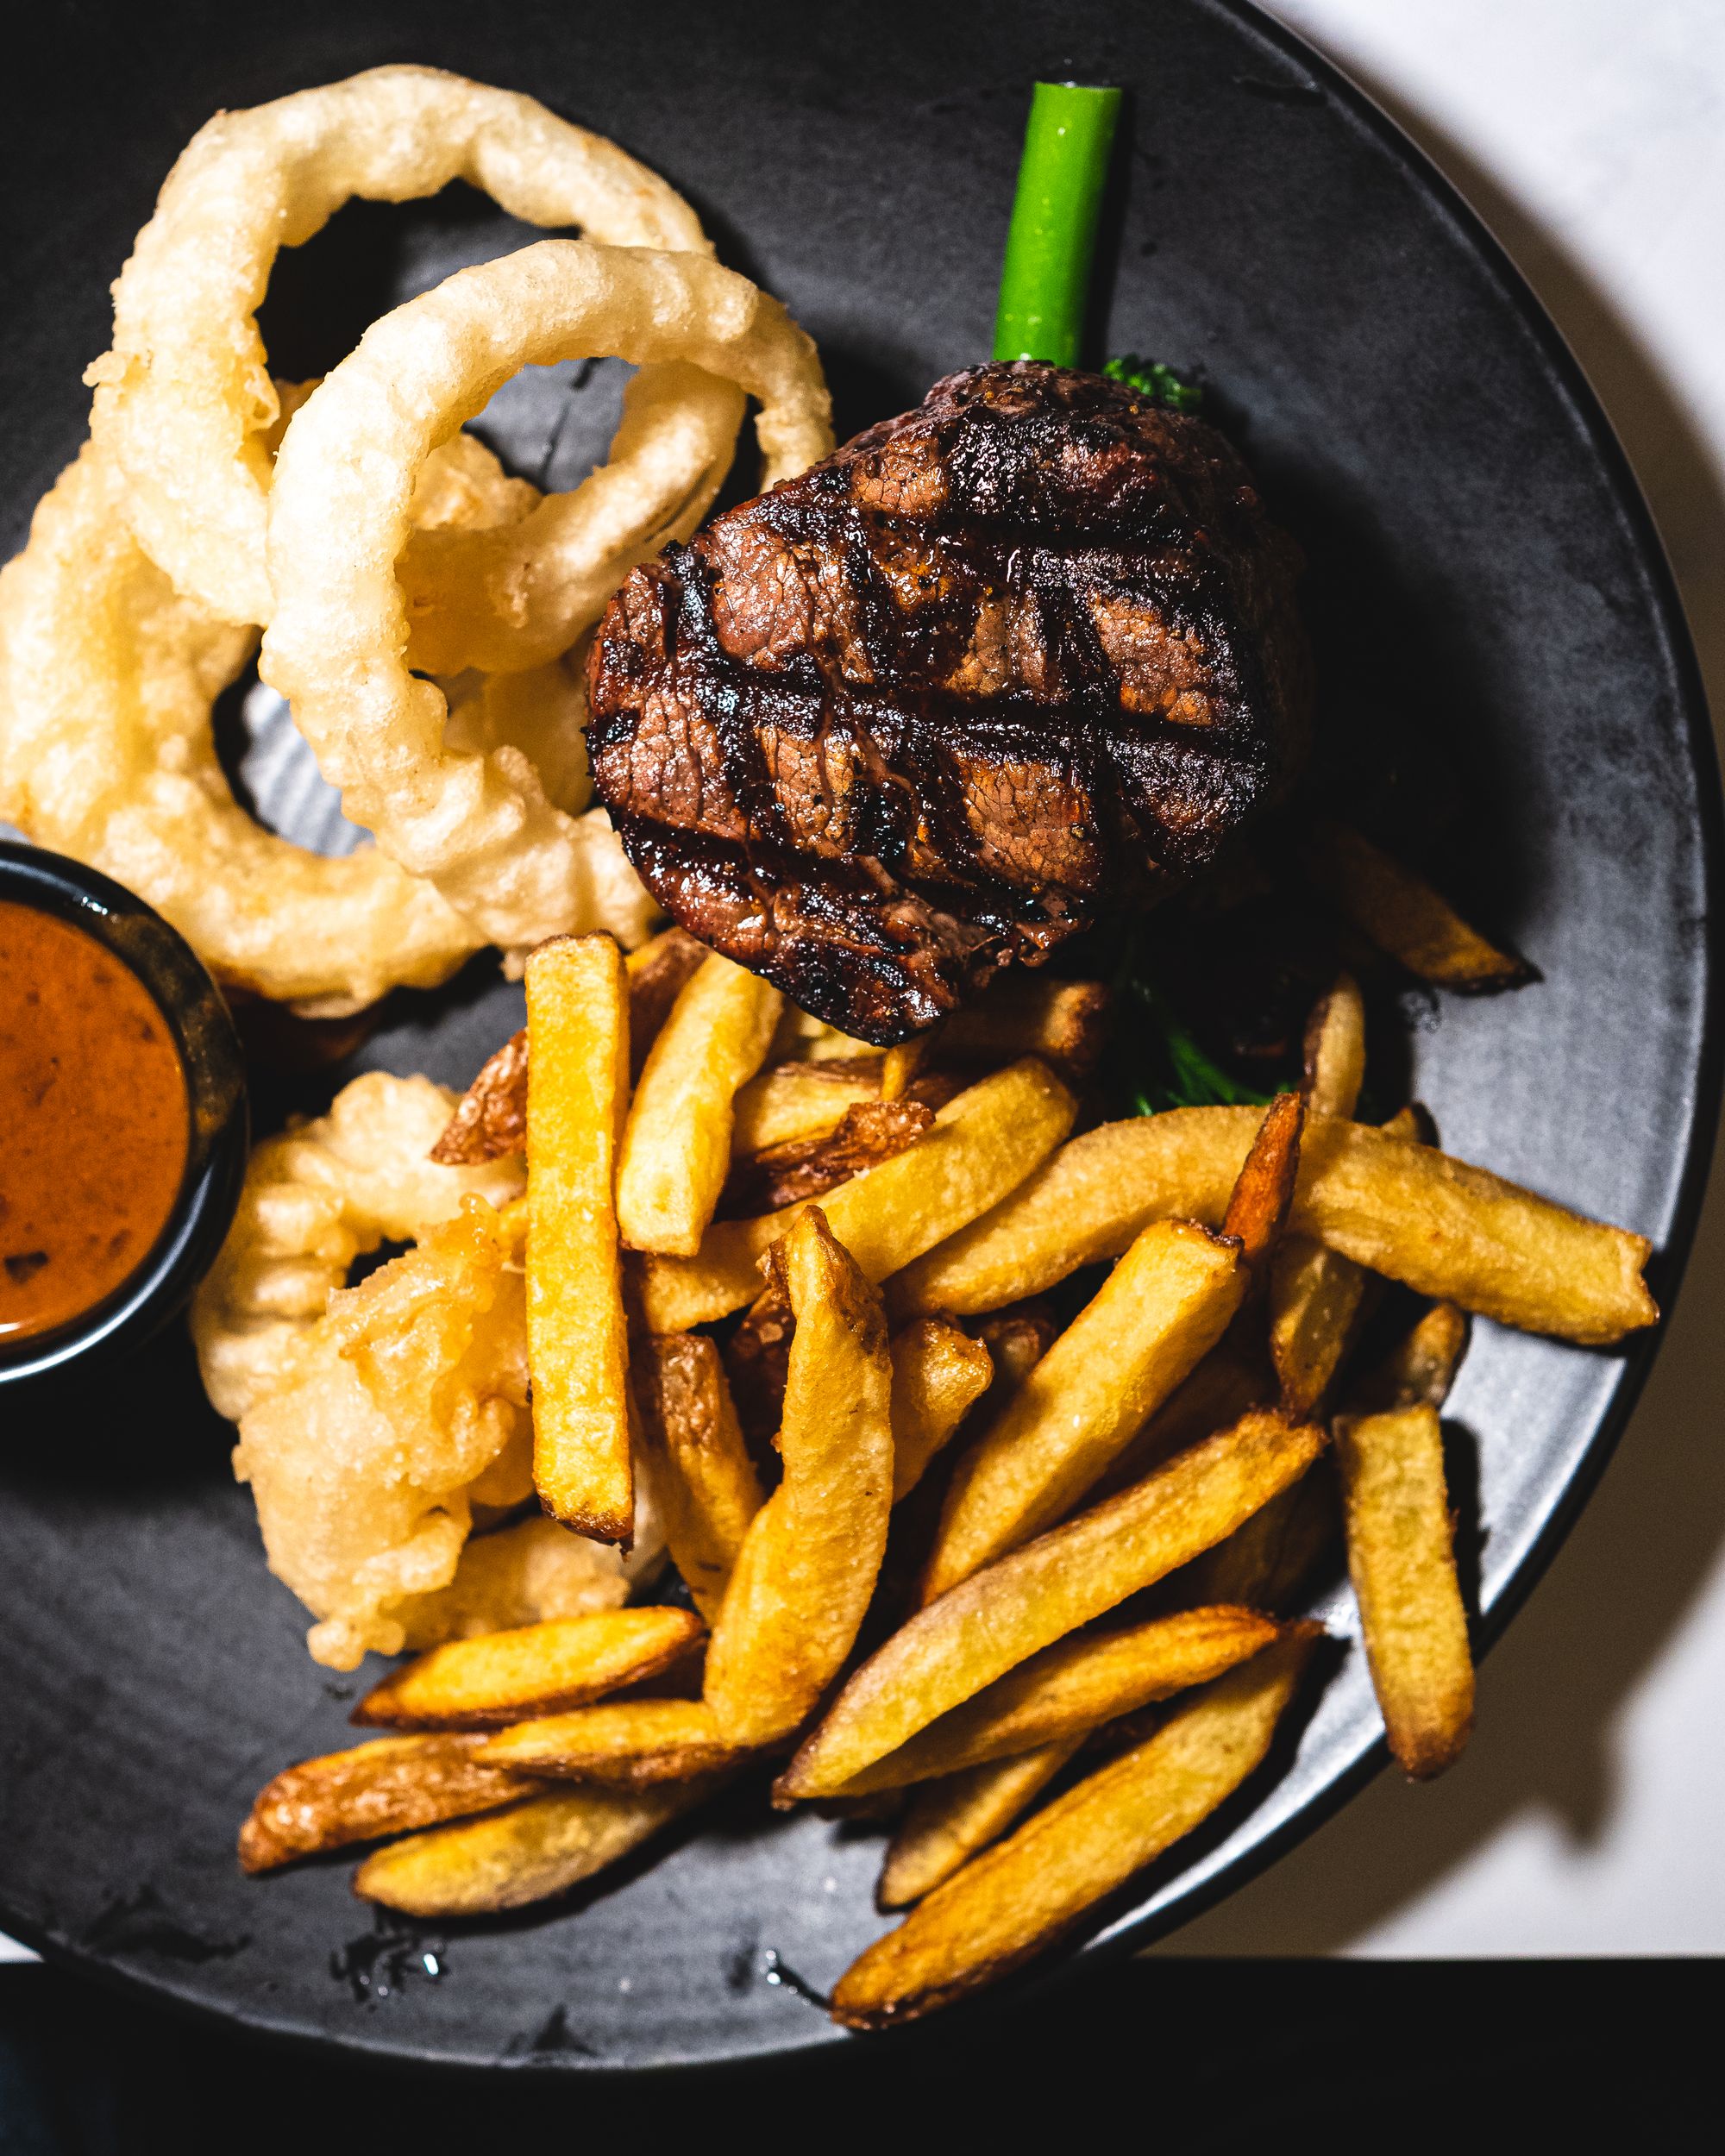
1624, 1583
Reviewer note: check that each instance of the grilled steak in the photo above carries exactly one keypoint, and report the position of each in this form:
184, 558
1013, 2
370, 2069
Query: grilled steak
1013, 662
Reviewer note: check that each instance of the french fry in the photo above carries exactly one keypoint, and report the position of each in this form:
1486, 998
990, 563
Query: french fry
577, 1338
1159, 1314
900, 1066
1403, 915
628, 1743
950, 1820
676, 1143
1315, 1294
805, 1167
1072, 1688
503, 1676
1269, 1560
1446, 1230
535, 1850
984, 1143
802, 1034
1064, 1022
801, 1100
1314, 1300
1023, 1603
1403, 1564
1263, 1190
1016, 1899
806, 1569
658, 973
1229, 1381
383, 1787
757, 1361
939, 1373
1017, 1340
491, 1117
707, 1488
1335, 1050
1420, 1369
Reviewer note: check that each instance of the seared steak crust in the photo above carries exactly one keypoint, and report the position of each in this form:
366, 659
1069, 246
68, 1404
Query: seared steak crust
1009, 664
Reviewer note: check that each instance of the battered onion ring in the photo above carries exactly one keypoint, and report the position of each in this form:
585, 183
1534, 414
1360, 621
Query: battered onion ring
481, 827
373, 1423
106, 683
517, 597
183, 399
316, 1199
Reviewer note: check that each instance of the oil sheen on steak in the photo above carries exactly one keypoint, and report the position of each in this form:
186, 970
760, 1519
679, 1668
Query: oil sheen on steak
1012, 663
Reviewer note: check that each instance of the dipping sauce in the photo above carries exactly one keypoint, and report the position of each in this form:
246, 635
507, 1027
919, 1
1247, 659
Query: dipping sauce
95, 1123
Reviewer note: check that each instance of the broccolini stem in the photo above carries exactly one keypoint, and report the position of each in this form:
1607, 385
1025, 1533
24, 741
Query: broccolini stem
1045, 279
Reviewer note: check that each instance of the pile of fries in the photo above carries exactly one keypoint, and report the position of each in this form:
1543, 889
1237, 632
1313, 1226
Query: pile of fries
906, 1471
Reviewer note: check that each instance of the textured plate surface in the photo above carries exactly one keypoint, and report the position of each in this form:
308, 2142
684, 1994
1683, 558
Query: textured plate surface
1481, 564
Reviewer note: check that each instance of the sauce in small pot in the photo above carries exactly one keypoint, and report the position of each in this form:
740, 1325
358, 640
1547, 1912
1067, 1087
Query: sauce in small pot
95, 1123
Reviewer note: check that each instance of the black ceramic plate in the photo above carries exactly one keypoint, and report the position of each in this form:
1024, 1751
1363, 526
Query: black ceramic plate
1482, 568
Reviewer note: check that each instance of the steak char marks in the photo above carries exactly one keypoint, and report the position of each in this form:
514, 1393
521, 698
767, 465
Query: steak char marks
1012, 663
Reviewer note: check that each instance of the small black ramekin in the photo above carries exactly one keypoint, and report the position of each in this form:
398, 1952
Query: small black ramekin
202, 1031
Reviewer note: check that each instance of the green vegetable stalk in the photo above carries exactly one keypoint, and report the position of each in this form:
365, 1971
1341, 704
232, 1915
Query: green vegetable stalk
1045, 295
1045, 279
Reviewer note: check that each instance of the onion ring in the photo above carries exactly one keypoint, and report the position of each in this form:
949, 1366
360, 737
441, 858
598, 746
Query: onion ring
517, 597
481, 827
183, 399
374, 1422
315, 1199
106, 683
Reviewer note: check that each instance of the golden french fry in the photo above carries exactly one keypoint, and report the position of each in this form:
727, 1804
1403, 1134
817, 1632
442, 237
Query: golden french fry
900, 1066
383, 1787
984, 1143
658, 973
1065, 1022
491, 1117
707, 1489
802, 1101
1335, 1050
939, 1373
1445, 1229
802, 1035
1267, 1562
577, 1338
503, 1676
1004, 1615
1314, 1299
1159, 1314
950, 1820
804, 1576
528, 1853
1420, 1369
1263, 1189
1315, 1294
629, 1743
1017, 1898
1072, 1688
1227, 1383
1017, 1340
805, 1168
1403, 915
676, 1143
1400, 1558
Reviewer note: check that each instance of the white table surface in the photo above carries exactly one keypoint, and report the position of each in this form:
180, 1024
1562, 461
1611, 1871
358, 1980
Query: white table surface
1591, 135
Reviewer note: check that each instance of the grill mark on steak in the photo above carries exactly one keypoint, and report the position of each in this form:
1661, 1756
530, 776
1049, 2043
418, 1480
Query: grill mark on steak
1006, 665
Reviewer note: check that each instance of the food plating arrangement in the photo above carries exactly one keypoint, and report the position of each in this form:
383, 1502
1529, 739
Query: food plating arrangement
892, 1331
